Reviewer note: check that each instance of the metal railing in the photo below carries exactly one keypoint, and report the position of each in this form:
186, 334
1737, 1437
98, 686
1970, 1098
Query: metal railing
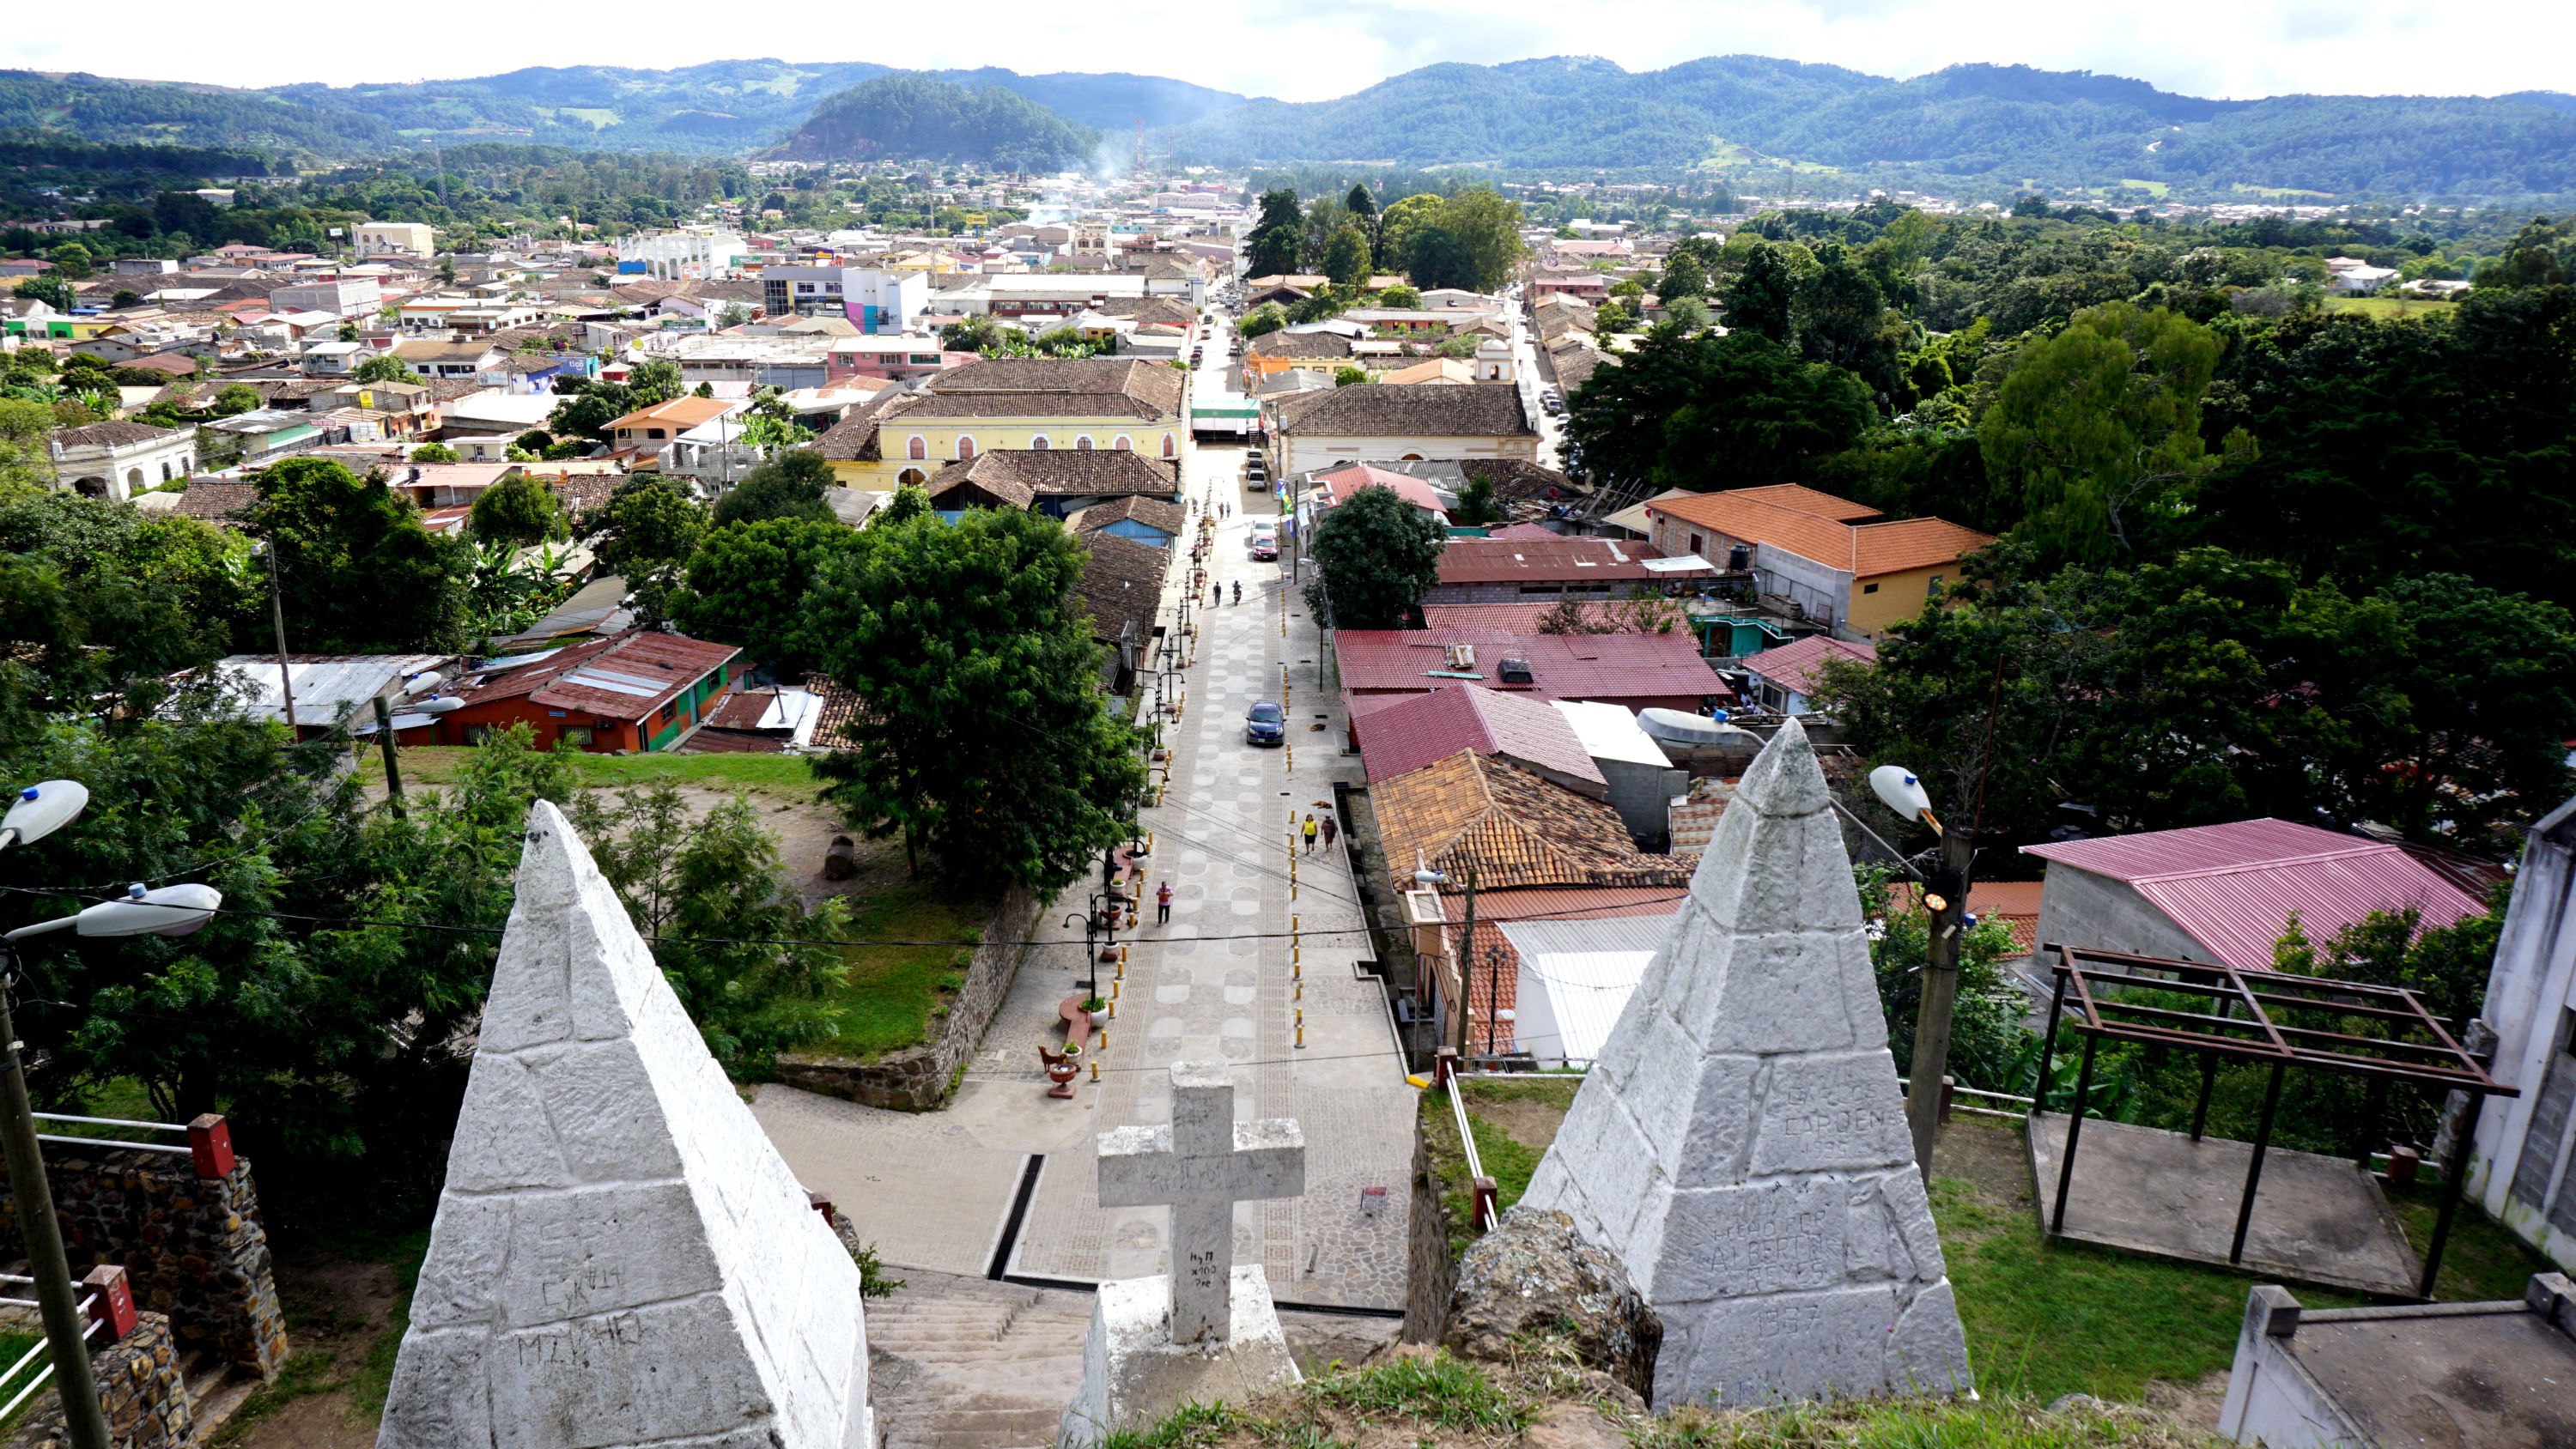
1479, 1205
44, 1372
182, 1149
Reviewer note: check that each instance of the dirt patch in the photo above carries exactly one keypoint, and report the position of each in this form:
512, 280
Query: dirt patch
339, 1311
1988, 1155
1530, 1123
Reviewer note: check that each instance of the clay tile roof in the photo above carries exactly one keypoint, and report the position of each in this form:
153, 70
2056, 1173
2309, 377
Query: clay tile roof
1068, 471
218, 500
1122, 583
1419, 729
1392, 410
1055, 387
1154, 513
114, 433
1514, 828
1865, 550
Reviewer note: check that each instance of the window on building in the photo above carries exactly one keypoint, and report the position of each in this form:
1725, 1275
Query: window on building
919, 447
1082, 444
1038, 444
1122, 444
1167, 445
965, 447
577, 734
1869, 588
1933, 587
1696, 545
671, 711
655, 433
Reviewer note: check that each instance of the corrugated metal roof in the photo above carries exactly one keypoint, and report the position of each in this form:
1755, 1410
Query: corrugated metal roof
1427, 728
2233, 887
1564, 666
1610, 732
325, 684
1575, 978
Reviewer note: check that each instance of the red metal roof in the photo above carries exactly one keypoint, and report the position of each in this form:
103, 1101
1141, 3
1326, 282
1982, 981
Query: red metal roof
2233, 887
1507, 618
1554, 560
1799, 665
1563, 666
1423, 728
625, 677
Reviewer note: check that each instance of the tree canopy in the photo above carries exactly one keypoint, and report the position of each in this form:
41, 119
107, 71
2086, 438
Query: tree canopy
1377, 553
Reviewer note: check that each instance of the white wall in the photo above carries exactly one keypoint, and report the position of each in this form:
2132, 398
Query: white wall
2522, 1172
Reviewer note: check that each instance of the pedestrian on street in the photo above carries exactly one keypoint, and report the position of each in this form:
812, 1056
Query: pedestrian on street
1216, 595
1310, 832
1238, 591
1163, 904
1329, 827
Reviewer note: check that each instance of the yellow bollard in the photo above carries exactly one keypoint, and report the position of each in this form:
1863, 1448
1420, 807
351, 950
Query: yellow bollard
1122, 952
1300, 983
1301, 1035
1104, 1042
1114, 980
1113, 1005
1095, 1071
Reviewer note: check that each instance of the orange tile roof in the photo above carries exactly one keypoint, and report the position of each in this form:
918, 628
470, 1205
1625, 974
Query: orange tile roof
1866, 550
1514, 828
1808, 500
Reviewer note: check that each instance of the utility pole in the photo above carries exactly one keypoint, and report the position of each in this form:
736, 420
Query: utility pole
1465, 945
385, 740
1946, 893
277, 621
55, 1297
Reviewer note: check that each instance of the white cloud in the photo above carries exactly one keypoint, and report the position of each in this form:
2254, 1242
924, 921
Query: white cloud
1327, 48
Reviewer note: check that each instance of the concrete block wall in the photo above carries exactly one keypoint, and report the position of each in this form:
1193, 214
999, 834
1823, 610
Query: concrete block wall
193, 1247
916, 1079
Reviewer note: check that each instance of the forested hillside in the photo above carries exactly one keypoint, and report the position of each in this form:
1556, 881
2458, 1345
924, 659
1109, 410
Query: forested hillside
902, 116
2002, 125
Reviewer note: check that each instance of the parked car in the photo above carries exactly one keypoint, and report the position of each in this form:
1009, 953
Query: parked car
1265, 542
1267, 724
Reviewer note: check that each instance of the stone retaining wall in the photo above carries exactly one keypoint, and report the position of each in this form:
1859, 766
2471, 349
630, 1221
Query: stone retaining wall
917, 1079
141, 1389
1430, 1264
192, 1246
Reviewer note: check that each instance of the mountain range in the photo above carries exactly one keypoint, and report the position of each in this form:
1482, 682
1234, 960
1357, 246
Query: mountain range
1742, 118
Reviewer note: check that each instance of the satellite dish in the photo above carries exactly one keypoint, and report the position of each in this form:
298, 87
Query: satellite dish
42, 809
1902, 791
423, 683
440, 705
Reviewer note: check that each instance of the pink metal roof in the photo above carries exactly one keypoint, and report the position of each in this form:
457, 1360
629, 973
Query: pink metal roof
1565, 666
1549, 559
1421, 729
1343, 484
1797, 666
2233, 887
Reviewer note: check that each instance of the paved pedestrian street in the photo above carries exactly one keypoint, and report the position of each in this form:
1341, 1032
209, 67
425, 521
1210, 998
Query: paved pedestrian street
1224, 981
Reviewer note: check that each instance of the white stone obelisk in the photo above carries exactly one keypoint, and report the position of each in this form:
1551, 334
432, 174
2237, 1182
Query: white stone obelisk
1741, 1143
1207, 1331
620, 1257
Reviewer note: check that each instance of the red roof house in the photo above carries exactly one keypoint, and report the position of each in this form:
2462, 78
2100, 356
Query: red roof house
1415, 730
2225, 893
632, 691
1637, 670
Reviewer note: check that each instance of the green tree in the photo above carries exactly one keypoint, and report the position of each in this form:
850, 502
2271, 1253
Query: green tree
54, 292
747, 582
383, 367
105, 606
1396, 227
433, 453
589, 408
645, 534
1399, 296
1472, 241
357, 570
2099, 428
656, 381
793, 484
1705, 412
754, 967
71, 260
1362, 206
518, 510
770, 425
1684, 276
1346, 375
1476, 504
1346, 256
985, 739
1376, 554
235, 400
979, 333
1278, 238
1262, 321
1763, 296
26, 464
910, 501
1842, 319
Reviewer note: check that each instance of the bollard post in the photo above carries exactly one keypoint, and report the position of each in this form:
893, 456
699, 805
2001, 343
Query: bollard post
210, 1145
1095, 1069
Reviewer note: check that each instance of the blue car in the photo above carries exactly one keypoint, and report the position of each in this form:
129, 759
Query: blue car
1266, 725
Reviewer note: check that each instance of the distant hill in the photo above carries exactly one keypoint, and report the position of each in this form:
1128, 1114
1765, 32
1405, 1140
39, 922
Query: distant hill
724, 105
2001, 125
95, 108
910, 115
1112, 102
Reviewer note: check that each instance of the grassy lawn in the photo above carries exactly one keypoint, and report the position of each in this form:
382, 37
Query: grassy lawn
897, 993
784, 777
2383, 309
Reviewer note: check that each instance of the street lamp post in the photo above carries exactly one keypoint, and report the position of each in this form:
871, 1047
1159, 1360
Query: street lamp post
169, 911
277, 622
1466, 944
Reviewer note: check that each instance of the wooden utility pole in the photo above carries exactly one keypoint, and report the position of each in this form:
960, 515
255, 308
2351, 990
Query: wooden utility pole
1466, 948
1946, 893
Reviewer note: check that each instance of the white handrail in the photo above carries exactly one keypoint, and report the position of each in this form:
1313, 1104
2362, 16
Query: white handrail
1467, 1141
109, 1121
33, 1384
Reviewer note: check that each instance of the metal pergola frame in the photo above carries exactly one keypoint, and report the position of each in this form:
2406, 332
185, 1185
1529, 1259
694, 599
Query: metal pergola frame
2417, 1050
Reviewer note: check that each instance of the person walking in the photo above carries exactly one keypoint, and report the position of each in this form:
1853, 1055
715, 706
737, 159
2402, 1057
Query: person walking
1310, 832
1238, 591
1330, 826
1163, 904
1216, 595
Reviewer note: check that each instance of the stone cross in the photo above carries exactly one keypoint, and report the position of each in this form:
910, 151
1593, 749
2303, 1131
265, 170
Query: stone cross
1202, 1165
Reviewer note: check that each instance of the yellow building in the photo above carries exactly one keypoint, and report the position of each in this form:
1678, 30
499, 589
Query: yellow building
1120, 403
1836, 559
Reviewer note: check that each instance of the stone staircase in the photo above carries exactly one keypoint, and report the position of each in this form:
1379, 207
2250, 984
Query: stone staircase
963, 1363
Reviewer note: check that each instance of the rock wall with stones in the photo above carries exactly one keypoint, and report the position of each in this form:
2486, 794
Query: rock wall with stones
141, 1390
917, 1079
1430, 1259
193, 1247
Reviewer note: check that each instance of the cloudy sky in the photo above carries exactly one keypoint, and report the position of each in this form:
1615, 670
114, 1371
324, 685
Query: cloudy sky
1320, 48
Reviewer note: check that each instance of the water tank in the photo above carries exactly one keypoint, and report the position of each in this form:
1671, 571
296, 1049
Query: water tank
1686, 729
1738, 559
